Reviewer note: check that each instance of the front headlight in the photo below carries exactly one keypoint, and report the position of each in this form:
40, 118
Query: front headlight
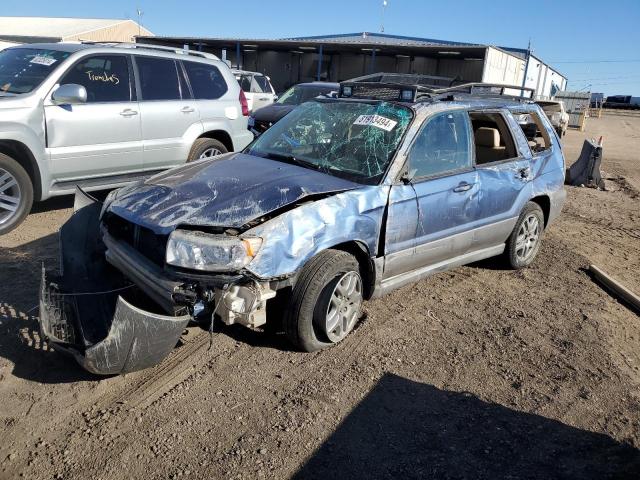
211, 253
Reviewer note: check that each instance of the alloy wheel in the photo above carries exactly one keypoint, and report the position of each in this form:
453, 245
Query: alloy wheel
344, 307
528, 237
10, 196
209, 152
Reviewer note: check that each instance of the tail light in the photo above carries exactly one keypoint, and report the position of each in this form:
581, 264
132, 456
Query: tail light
244, 104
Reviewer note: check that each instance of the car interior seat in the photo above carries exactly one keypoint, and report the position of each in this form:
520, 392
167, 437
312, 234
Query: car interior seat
488, 148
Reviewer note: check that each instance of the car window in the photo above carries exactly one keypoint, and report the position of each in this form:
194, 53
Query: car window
492, 137
533, 127
263, 83
245, 82
158, 78
206, 81
23, 69
443, 145
105, 77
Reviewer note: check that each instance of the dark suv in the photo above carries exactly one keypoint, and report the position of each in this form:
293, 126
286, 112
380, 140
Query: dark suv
265, 117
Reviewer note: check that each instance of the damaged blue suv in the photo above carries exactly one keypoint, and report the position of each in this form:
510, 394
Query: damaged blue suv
342, 200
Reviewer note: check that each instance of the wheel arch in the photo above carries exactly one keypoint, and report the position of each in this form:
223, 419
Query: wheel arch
220, 135
360, 251
545, 204
19, 152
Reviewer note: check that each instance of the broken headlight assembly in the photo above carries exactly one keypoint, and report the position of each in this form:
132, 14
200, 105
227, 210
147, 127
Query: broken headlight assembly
210, 252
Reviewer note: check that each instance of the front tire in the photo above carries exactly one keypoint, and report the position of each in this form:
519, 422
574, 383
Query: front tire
16, 194
524, 242
206, 148
326, 301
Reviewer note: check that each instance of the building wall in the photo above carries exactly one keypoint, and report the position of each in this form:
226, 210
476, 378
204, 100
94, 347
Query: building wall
502, 68
541, 77
118, 32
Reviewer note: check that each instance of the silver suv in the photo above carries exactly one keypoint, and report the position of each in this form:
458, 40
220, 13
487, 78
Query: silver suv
100, 116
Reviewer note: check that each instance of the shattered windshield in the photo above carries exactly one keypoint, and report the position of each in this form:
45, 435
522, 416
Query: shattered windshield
23, 69
351, 140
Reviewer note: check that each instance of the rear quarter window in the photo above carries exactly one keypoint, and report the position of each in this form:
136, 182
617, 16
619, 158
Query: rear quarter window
207, 83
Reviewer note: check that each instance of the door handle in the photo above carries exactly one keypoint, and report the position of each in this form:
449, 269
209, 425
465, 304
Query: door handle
463, 187
127, 112
187, 109
263, 99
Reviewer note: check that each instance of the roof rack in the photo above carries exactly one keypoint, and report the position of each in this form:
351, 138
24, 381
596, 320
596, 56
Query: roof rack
407, 79
146, 46
377, 87
480, 89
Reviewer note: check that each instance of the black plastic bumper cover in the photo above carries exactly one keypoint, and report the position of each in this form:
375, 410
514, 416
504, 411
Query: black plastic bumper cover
136, 339
82, 313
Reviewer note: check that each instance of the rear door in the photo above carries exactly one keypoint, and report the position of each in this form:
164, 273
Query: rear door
431, 218
101, 137
170, 118
263, 92
504, 172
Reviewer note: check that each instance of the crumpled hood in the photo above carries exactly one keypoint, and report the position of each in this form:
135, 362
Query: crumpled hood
229, 191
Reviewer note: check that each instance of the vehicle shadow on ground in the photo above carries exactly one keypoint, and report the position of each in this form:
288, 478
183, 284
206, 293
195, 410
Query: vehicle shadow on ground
20, 342
404, 429
55, 203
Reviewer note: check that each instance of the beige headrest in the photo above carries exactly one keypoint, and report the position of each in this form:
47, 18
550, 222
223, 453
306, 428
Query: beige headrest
487, 137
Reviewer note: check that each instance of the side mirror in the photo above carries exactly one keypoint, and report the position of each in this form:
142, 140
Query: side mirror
69, 94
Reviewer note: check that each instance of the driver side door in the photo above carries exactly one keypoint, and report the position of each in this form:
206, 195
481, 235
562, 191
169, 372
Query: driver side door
101, 137
431, 216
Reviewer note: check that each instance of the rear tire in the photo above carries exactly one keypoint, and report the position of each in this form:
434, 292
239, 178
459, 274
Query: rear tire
16, 194
206, 148
326, 301
524, 242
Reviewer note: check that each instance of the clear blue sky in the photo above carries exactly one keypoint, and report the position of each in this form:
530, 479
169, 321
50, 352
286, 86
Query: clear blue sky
603, 37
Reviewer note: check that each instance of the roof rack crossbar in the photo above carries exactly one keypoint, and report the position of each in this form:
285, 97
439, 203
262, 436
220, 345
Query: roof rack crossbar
488, 89
382, 86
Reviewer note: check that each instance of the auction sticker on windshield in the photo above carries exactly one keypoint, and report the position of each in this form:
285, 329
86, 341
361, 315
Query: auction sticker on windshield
41, 60
376, 121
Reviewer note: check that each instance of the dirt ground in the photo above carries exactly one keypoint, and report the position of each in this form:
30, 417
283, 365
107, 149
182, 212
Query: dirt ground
480, 372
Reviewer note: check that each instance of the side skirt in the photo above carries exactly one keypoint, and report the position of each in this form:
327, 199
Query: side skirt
385, 286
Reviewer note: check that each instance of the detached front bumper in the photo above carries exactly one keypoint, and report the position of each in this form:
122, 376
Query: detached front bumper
135, 339
89, 310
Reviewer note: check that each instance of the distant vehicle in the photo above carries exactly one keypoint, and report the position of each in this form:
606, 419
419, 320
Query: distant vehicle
623, 102
101, 116
257, 88
597, 100
263, 118
557, 115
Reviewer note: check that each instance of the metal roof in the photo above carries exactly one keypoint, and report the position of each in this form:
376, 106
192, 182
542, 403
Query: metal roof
53, 27
381, 39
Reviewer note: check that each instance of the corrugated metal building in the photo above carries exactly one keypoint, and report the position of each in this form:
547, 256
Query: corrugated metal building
339, 57
51, 29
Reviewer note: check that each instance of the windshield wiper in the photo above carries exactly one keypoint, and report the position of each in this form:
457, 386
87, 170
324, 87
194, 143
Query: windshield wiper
291, 159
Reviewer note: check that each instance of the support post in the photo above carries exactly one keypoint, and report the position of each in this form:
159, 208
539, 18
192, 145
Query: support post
320, 62
238, 64
373, 61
